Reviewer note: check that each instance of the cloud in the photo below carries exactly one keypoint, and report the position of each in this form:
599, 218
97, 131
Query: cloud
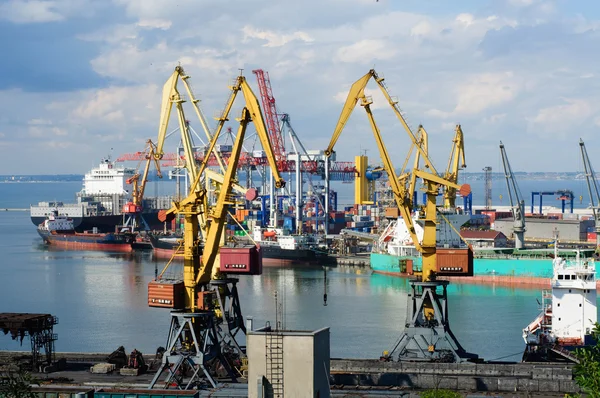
274, 39
32, 11
155, 23
563, 117
486, 90
365, 52
96, 70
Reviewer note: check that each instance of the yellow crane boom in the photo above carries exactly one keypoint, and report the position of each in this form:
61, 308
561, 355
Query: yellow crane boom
402, 195
455, 163
196, 272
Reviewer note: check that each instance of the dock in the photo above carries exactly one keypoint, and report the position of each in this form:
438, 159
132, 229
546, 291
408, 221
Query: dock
348, 377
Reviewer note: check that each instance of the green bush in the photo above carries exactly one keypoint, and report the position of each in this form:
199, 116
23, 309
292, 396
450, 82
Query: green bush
440, 394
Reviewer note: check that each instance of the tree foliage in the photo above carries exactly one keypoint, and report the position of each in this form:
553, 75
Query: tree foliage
587, 371
15, 384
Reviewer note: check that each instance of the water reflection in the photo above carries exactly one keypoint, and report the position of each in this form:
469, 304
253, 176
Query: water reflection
101, 301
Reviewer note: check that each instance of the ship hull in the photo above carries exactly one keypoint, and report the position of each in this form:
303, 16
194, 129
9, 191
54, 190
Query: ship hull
276, 256
82, 241
505, 270
271, 255
105, 223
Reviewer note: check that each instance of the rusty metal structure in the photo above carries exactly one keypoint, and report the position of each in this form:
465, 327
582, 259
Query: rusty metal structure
40, 330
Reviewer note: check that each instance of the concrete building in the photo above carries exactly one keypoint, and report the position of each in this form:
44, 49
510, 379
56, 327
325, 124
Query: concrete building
541, 228
485, 239
288, 363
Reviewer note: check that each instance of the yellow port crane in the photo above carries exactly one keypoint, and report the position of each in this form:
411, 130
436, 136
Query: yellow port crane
171, 97
455, 163
427, 335
132, 211
205, 328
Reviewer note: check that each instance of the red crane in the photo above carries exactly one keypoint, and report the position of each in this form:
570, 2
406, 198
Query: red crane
272, 119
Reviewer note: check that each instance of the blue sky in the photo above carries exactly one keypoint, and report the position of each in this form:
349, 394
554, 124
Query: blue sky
79, 77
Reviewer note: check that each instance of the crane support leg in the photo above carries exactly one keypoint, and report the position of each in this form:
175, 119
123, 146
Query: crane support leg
193, 353
232, 322
428, 338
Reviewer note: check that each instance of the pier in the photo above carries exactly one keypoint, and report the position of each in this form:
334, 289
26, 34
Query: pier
348, 377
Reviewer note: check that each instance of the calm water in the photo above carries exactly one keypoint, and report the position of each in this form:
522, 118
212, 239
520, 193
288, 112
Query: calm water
101, 298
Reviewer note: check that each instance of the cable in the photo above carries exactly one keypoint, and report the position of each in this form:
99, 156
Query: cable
506, 356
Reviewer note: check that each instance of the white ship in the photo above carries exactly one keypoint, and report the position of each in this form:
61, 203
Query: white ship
568, 312
100, 201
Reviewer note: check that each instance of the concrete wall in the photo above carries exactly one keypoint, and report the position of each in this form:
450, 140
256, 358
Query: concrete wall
305, 362
537, 378
570, 230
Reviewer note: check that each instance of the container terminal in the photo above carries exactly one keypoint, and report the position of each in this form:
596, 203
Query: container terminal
221, 223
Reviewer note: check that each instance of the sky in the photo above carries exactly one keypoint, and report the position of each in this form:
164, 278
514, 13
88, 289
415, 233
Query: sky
79, 77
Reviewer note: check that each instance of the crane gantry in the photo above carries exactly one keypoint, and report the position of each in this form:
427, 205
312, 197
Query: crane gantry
427, 335
208, 317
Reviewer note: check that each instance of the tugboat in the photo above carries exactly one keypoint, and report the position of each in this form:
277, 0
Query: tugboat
568, 312
58, 230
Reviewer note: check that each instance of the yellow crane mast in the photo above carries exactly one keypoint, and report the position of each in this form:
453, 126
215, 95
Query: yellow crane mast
427, 319
455, 163
203, 339
172, 97
133, 210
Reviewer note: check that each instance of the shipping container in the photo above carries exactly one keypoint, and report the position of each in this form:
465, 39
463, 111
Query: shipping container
60, 392
166, 294
392, 212
241, 260
555, 216
144, 393
454, 262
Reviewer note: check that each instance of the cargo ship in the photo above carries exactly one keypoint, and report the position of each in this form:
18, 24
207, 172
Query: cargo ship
100, 202
277, 249
280, 248
58, 230
567, 315
394, 251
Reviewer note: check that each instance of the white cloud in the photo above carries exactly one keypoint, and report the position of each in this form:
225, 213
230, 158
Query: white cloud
274, 39
562, 118
40, 11
522, 3
366, 51
30, 11
423, 28
445, 66
156, 23
486, 90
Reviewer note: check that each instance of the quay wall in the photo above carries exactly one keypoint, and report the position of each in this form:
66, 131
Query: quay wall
515, 377
533, 379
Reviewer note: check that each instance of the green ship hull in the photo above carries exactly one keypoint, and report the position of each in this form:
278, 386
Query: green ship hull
501, 265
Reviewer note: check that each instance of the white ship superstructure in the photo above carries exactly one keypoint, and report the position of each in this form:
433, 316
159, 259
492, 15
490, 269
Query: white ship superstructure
568, 311
396, 240
104, 192
100, 201
106, 179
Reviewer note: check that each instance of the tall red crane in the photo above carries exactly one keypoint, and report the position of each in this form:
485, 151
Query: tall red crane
271, 117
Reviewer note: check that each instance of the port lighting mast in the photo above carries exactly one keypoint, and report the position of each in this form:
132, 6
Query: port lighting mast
207, 321
517, 204
592, 184
427, 335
